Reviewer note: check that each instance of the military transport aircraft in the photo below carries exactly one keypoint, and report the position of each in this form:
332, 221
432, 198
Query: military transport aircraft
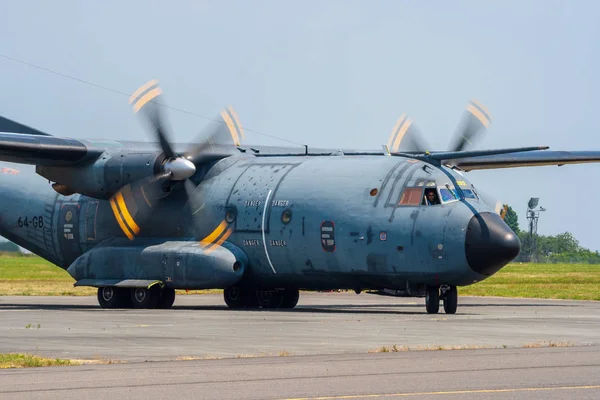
138, 221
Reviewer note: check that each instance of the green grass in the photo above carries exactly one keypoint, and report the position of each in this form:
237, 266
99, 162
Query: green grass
32, 276
15, 360
547, 281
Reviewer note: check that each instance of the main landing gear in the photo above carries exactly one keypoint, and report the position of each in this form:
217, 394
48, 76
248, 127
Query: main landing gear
239, 297
152, 297
449, 296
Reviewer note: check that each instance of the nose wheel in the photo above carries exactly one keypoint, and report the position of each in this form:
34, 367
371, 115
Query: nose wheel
449, 296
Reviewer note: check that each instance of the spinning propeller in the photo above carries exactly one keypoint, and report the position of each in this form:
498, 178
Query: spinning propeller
133, 203
406, 138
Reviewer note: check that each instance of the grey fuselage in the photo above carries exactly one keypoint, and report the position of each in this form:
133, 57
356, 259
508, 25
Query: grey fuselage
311, 222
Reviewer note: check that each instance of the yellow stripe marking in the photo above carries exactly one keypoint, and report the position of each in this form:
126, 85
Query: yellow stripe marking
146, 98
214, 235
113, 204
479, 115
237, 121
220, 242
482, 107
451, 392
142, 89
401, 134
395, 130
130, 222
232, 131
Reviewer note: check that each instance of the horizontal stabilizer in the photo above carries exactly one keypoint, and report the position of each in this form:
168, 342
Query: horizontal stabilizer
44, 150
7, 125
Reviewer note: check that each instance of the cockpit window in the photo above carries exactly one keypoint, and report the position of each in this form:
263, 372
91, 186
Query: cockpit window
448, 195
411, 196
431, 197
469, 194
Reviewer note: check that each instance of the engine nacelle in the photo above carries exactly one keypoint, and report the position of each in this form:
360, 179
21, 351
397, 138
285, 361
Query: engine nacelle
179, 264
104, 177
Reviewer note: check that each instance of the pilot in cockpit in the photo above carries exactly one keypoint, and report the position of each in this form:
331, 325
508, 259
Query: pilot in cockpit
431, 197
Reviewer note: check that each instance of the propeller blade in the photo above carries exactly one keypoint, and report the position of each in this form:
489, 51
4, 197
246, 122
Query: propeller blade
406, 137
495, 204
157, 123
132, 204
143, 99
218, 139
475, 121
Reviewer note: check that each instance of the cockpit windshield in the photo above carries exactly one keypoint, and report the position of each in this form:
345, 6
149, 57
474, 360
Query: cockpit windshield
448, 195
469, 194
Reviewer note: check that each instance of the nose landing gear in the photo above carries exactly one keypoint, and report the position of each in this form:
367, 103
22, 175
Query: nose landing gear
449, 296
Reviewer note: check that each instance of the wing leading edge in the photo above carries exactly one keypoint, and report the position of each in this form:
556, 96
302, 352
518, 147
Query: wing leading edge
528, 159
44, 150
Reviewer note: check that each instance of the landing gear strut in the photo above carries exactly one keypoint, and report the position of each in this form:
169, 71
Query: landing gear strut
240, 297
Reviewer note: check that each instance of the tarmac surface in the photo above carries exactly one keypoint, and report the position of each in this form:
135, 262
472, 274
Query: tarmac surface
330, 345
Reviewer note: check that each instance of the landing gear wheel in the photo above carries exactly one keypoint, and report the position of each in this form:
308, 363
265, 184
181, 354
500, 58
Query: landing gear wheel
167, 298
290, 298
432, 299
145, 297
269, 298
112, 297
237, 297
451, 300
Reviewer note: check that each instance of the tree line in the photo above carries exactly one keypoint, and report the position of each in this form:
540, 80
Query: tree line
561, 248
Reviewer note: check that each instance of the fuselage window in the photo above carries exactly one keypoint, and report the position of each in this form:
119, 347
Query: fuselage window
411, 197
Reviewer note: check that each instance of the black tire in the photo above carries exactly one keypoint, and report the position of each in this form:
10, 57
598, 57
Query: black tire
144, 297
112, 297
236, 297
269, 298
432, 300
290, 298
167, 298
451, 300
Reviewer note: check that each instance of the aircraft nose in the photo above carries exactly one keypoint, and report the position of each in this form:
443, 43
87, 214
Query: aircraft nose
490, 244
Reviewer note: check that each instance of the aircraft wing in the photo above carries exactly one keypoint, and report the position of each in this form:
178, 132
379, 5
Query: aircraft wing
44, 150
526, 159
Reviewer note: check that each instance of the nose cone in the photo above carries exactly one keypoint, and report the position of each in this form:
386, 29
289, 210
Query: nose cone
490, 244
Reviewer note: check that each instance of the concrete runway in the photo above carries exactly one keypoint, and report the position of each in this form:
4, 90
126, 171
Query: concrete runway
548, 373
335, 330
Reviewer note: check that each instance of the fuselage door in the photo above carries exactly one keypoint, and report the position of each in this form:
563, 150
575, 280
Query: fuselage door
68, 231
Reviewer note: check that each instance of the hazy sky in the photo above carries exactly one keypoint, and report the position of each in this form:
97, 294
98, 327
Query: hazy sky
327, 73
